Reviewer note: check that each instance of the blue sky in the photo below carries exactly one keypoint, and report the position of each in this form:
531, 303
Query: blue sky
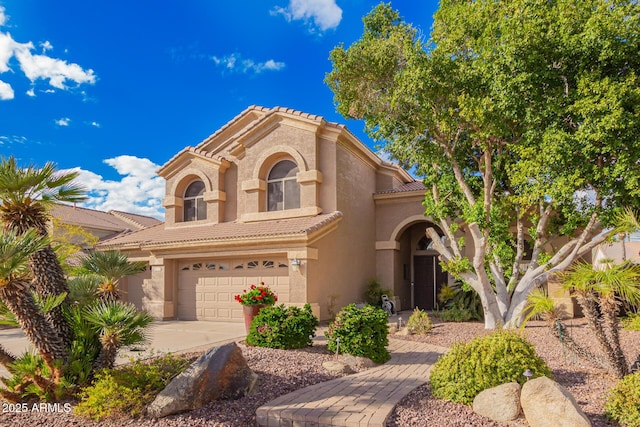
114, 89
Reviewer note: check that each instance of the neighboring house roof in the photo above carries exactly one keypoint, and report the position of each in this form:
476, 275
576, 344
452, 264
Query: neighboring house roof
411, 186
226, 232
115, 221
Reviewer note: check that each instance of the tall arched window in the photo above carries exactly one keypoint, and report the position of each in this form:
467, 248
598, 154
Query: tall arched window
283, 191
195, 208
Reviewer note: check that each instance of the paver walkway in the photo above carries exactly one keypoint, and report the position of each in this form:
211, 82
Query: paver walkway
363, 399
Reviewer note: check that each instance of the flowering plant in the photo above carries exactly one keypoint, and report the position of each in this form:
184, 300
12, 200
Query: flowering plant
257, 295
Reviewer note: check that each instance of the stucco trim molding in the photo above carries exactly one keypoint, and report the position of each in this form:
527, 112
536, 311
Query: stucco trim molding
215, 196
309, 176
254, 185
279, 150
393, 245
288, 213
407, 222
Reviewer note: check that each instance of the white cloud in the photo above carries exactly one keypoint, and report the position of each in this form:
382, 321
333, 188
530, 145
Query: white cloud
95, 124
322, 14
59, 73
235, 63
46, 46
140, 190
64, 121
6, 91
14, 139
31, 92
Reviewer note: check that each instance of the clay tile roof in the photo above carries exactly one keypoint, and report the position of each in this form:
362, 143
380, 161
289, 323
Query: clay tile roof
139, 221
411, 186
160, 235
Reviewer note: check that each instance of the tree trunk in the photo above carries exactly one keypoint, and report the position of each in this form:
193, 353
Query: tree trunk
34, 324
49, 280
592, 317
611, 324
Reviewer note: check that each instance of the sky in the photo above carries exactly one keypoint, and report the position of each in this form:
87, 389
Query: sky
113, 89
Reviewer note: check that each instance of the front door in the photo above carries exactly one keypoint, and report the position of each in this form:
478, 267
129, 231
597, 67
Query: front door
428, 280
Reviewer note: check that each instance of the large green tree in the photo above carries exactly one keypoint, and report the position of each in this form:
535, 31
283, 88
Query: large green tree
523, 117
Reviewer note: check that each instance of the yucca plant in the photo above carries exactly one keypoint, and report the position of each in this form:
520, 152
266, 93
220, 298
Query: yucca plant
118, 324
26, 196
110, 266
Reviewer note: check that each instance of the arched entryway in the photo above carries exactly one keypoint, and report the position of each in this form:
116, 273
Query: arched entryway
421, 266
428, 277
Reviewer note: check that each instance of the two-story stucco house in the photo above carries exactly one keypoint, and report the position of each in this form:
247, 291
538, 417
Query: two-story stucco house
285, 198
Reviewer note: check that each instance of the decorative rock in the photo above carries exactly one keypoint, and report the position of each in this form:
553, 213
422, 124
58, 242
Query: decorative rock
404, 332
501, 403
337, 367
357, 362
546, 403
220, 373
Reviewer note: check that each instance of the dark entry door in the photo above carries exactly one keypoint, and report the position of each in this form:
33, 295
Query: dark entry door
428, 280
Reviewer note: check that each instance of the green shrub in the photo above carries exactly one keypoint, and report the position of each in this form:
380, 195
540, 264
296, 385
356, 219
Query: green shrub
623, 402
631, 322
128, 389
361, 332
419, 322
374, 292
460, 303
283, 327
485, 362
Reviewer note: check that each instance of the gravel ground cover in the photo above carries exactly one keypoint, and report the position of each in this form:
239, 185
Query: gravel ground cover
283, 371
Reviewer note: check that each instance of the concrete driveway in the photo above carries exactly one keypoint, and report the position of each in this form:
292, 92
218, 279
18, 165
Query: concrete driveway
169, 336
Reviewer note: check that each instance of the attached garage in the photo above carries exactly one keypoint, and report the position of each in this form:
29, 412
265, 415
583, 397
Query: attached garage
206, 287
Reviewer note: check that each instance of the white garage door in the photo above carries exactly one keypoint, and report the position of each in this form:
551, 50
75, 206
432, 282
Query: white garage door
206, 288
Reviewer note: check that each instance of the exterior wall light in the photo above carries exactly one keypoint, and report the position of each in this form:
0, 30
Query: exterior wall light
295, 265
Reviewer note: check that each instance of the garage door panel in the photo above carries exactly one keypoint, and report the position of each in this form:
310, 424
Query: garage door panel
208, 293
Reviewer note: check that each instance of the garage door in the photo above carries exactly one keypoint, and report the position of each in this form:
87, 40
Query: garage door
206, 288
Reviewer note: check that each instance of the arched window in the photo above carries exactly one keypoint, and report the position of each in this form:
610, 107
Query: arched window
194, 207
283, 191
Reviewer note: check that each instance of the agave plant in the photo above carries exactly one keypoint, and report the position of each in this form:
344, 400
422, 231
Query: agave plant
118, 324
26, 197
111, 266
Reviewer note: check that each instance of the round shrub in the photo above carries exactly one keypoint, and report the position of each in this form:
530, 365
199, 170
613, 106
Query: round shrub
623, 402
419, 322
283, 327
485, 362
360, 332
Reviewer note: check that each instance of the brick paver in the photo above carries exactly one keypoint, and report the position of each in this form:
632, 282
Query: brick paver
363, 399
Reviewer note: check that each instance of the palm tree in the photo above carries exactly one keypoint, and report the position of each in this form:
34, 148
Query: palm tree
600, 292
15, 250
26, 197
111, 266
119, 324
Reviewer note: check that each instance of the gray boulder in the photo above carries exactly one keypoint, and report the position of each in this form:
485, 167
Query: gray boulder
546, 403
501, 403
220, 373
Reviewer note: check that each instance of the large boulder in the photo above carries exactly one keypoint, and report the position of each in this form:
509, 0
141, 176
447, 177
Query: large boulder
220, 373
546, 403
501, 403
